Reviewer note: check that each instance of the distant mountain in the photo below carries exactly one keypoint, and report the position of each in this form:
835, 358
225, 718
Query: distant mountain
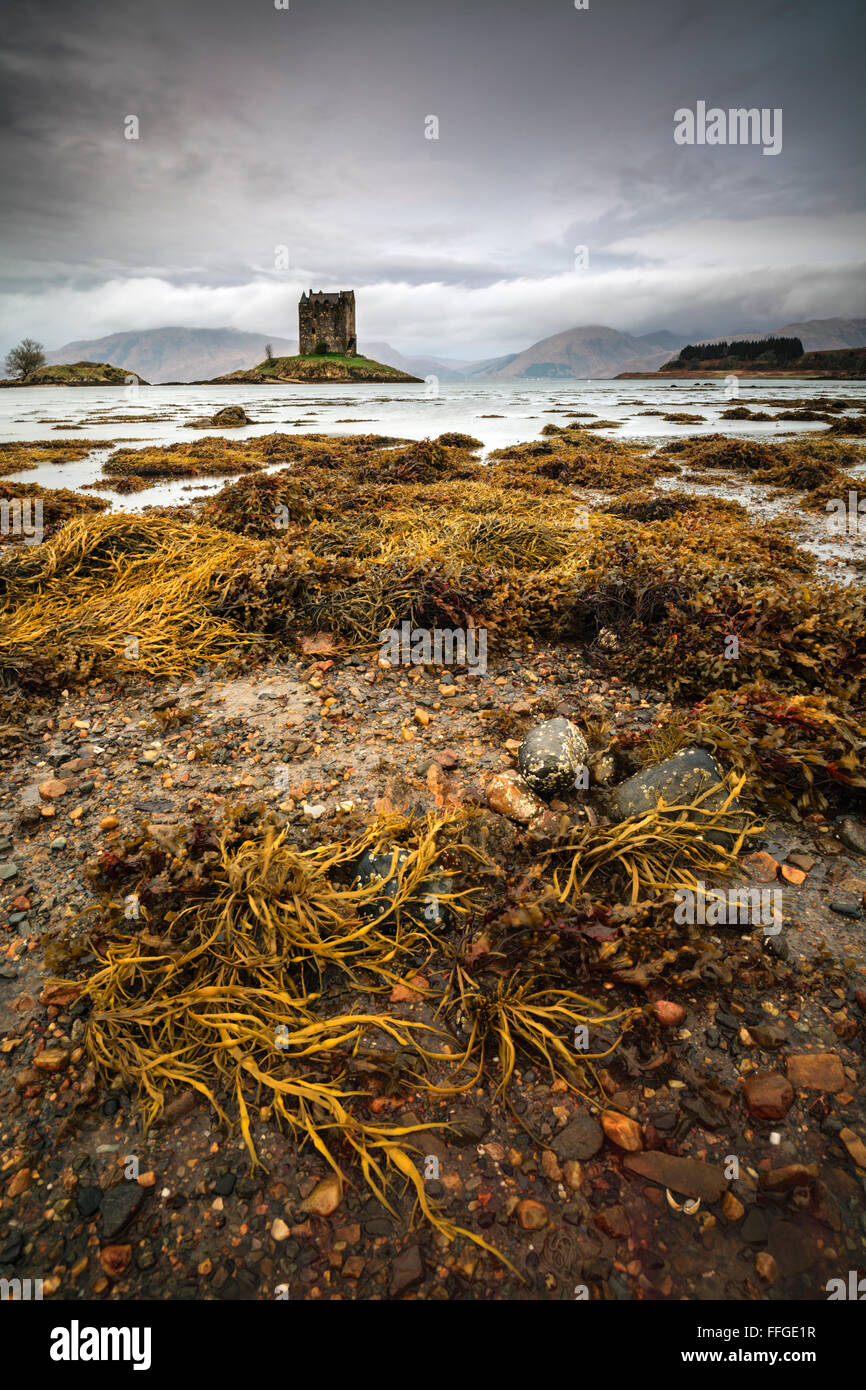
200, 354
816, 335
176, 354
593, 351
490, 366
664, 339
446, 368
826, 335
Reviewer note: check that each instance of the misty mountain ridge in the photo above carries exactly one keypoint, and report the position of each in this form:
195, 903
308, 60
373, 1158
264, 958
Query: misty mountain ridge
585, 352
816, 335
176, 354
591, 351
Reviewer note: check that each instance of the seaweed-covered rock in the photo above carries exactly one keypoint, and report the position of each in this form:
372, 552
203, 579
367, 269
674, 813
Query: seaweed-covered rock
424, 907
679, 781
231, 416
550, 757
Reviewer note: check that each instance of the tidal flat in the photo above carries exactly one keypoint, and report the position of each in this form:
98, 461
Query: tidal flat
503, 1064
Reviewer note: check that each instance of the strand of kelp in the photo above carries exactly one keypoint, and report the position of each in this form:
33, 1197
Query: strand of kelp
666, 847
225, 1003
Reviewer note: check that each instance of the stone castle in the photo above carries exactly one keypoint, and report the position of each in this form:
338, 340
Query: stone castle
327, 320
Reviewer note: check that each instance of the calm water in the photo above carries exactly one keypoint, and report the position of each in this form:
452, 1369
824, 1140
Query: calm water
498, 413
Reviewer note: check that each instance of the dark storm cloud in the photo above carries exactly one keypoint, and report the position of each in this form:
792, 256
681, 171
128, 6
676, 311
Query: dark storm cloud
261, 128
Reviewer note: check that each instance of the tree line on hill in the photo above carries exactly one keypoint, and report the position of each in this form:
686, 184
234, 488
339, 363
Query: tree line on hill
773, 351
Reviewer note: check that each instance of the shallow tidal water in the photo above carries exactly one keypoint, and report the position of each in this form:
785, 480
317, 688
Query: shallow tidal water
499, 413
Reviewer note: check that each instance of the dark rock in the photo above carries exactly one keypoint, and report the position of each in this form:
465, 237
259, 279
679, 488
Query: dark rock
776, 946
230, 416
88, 1200
11, 1251
679, 780
825, 1208
581, 1139
119, 1205
687, 1176
792, 1249
425, 906
754, 1229
845, 909
666, 1120
789, 1176
177, 1107
407, 1271
768, 1035
852, 834
225, 1185
469, 1127
843, 1186
550, 757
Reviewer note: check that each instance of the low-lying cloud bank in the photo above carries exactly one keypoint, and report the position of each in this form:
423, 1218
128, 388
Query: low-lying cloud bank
466, 320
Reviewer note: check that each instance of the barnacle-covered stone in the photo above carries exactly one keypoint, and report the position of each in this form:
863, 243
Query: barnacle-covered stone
550, 757
425, 905
679, 781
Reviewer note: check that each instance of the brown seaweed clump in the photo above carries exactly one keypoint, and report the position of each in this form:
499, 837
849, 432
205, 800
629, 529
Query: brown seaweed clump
812, 466
56, 507
571, 457
655, 586
239, 992
798, 753
428, 461
115, 591
17, 456
208, 457
260, 504
742, 412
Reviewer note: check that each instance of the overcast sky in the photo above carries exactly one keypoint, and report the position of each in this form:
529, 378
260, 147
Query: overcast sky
261, 128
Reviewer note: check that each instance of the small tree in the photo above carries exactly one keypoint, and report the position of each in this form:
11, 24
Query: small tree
269, 352
25, 358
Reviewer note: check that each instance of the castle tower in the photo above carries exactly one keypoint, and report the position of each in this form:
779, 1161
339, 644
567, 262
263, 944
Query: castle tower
327, 319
